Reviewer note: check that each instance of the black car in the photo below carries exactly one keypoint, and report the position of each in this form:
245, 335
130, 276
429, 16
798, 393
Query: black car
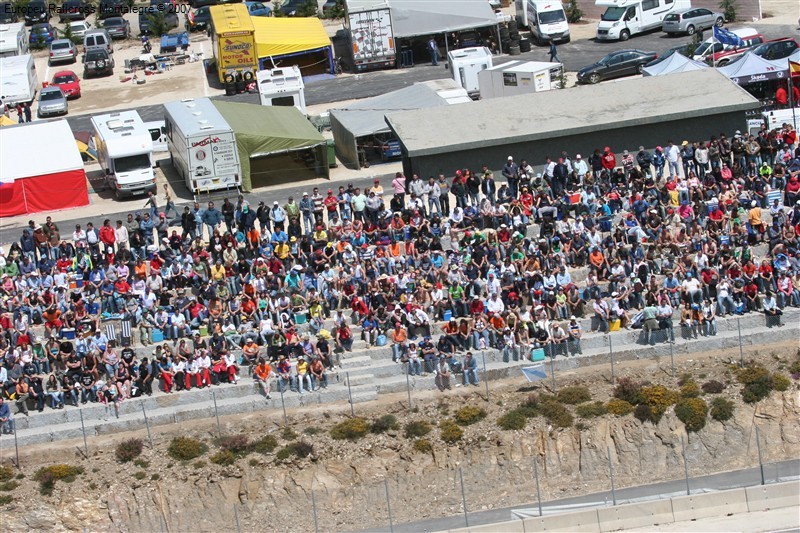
117, 27
35, 12
292, 8
682, 50
200, 20
97, 62
8, 15
616, 65
112, 8
73, 10
777, 49
147, 14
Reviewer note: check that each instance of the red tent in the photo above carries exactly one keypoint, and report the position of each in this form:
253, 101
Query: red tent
41, 169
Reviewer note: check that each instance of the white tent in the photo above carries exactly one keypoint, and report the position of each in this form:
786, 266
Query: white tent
674, 63
751, 68
411, 18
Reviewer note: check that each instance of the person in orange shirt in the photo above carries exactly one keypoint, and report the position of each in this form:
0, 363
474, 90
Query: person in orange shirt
598, 260
264, 376
399, 341
496, 327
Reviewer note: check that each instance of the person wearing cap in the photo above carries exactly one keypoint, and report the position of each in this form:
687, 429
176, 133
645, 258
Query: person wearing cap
399, 342
645, 161
443, 374
470, 368
511, 174
307, 210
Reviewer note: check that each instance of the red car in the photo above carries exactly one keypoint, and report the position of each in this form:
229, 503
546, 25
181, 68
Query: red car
69, 82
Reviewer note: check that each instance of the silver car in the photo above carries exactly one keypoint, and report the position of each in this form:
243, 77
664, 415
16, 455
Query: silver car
691, 20
62, 50
52, 102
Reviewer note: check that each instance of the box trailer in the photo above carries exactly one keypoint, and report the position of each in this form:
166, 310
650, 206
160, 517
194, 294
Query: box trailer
624, 18
369, 30
282, 87
202, 146
519, 77
125, 153
466, 63
233, 41
14, 39
18, 79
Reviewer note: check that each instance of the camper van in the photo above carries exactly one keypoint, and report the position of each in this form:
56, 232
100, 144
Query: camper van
282, 87
624, 18
125, 153
202, 146
13, 39
158, 133
466, 63
545, 18
18, 79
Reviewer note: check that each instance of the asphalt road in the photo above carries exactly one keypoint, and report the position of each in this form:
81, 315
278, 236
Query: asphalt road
574, 56
773, 472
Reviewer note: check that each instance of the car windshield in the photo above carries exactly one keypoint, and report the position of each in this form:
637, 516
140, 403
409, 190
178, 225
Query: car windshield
132, 162
613, 13
605, 60
113, 22
94, 55
704, 48
66, 78
51, 95
551, 17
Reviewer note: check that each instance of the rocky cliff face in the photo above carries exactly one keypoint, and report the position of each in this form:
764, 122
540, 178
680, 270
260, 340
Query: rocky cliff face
348, 479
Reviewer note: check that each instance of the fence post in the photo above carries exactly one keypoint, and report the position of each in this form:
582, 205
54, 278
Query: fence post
672, 355
16, 447
408, 386
147, 425
463, 496
388, 504
216, 413
741, 349
236, 516
485, 374
314, 509
538, 493
161, 522
283, 404
611, 353
611, 469
760, 462
685, 467
553, 369
350, 394
83, 430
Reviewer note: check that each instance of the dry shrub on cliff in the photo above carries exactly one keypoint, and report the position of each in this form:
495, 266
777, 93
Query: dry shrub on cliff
628, 390
351, 429
128, 450
186, 448
722, 409
574, 395
450, 432
618, 407
693, 412
469, 415
417, 429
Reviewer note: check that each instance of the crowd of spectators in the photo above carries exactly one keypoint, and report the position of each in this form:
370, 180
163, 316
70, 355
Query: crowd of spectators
433, 267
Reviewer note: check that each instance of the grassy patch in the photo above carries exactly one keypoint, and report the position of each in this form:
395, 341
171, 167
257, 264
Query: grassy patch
186, 448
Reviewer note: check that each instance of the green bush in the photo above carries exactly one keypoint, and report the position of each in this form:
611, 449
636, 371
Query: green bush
757, 381
299, 449
722, 409
186, 448
140, 475
574, 395
573, 12
423, 445
728, 9
591, 409
514, 419
693, 412
644, 413
618, 407
469, 414
223, 458
713, 387
48, 476
311, 430
155, 477
794, 368
8, 486
384, 424
628, 390
236, 444
450, 432
197, 465
351, 429
288, 434
690, 389
129, 450
658, 398
780, 382
6, 473
5, 499
265, 444
556, 413
141, 463
417, 429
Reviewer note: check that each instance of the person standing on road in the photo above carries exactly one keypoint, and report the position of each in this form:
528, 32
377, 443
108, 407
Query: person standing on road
433, 49
27, 112
554, 52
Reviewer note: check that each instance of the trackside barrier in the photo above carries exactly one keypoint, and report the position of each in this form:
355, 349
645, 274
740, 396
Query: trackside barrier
633, 515
773, 496
698, 506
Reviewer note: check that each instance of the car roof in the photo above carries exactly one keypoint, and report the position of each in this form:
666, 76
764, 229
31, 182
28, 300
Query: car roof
60, 41
65, 73
113, 19
50, 89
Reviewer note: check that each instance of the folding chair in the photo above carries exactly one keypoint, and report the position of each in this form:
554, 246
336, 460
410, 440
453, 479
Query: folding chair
125, 333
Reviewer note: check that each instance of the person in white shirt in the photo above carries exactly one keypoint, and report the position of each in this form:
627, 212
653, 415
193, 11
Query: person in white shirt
121, 236
673, 155
495, 305
691, 289
204, 369
580, 166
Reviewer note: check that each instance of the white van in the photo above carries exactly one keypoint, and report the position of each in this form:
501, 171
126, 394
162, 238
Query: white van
545, 18
14, 39
624, 18
202, 146
18, 79
125, 153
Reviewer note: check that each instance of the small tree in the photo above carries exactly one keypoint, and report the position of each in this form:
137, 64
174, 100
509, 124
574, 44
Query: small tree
157, 23
574, 13
309, 8
728, 9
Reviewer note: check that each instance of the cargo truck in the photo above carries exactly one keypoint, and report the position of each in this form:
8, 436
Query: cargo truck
233, 41
369, 29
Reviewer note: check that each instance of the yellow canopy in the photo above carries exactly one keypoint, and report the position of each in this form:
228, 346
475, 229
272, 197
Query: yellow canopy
5, 121
278, 36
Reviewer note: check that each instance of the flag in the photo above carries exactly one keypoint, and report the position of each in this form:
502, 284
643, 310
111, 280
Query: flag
794, 68
727, 37
534, 373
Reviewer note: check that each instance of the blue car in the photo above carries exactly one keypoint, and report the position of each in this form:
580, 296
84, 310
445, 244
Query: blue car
258, 9
42, 34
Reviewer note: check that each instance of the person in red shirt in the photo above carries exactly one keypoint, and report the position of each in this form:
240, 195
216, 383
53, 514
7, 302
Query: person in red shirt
107, 236
609, 160
782, 97
331, 203
122, 286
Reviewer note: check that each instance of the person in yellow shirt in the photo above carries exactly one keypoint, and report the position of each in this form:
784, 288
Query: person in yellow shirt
282, 251
218, 271
302, 375
754, 218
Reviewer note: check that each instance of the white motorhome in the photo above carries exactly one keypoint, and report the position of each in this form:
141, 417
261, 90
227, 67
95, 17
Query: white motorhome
158, 133
624, 18
202, 146
520, 77
282, 87
125, 153
14, 39
18, 79
546, 19
466, 63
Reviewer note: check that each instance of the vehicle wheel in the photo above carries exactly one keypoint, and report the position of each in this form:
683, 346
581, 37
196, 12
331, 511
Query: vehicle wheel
624, 35
639, 69
690, 30
722, 62
594, 78
719, 22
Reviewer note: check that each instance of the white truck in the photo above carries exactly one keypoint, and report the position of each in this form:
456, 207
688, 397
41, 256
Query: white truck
777, 118
202, 146
466, 64
14, 39
624, 18
369, 28
18, 79
125, 153
546, 20
282, 87
520, 77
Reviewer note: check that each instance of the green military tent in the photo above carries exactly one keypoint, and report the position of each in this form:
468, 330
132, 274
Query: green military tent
275, 144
